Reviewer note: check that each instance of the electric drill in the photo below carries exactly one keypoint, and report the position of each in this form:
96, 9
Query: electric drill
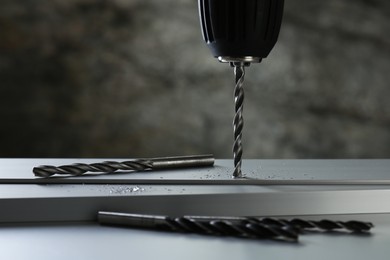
240, 32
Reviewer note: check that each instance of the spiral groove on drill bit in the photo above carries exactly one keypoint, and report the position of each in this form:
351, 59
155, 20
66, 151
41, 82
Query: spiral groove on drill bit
214, 227
296, 224
238, 121
230, 228
329, 225
323, 225
81, 168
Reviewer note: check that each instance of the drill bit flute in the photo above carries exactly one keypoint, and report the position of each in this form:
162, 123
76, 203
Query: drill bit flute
162, 163
238, 121
240, 32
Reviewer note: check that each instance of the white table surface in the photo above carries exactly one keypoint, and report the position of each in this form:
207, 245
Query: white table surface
91, 241
87, 240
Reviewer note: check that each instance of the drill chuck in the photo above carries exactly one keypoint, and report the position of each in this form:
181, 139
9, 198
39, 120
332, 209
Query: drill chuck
240, 30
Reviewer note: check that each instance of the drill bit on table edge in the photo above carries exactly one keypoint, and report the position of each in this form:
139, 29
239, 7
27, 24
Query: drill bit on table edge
217, 227
243, 227
78, 169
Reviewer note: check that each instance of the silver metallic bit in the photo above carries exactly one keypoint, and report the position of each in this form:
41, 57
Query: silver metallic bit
134, 165
238, 121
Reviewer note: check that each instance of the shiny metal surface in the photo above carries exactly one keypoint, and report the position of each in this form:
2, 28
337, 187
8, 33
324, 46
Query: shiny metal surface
240, 59
201, 182
333, 173
271, 188
176, 162
83, 206
64, 241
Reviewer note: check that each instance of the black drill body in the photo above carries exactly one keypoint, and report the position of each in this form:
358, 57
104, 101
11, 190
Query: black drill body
240, 28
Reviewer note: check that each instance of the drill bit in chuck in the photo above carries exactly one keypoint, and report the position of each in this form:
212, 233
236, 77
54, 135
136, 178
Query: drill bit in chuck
238, 121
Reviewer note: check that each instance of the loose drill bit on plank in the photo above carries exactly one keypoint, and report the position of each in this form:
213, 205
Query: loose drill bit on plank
218, 227
78, 169
244, 227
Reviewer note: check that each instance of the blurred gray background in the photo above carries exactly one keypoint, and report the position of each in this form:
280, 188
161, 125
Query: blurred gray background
133, 78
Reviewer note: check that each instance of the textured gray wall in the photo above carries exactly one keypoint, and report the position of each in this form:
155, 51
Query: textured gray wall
130, 78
